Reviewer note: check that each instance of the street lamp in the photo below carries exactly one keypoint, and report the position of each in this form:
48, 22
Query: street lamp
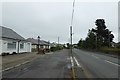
38, 43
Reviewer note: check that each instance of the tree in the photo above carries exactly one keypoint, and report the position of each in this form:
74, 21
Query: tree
80, 43
91, 39
89, 42
97, 37
104, 36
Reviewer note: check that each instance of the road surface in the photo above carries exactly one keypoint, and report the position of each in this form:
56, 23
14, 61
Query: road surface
59, 65
96, 65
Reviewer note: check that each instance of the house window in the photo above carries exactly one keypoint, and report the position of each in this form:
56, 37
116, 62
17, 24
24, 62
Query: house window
11, 45
21, 45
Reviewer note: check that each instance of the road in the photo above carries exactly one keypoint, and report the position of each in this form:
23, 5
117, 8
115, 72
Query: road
96, 65
58, 65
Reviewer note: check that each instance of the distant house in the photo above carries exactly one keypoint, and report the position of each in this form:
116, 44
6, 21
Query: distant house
11, 42
43, 44
54, 44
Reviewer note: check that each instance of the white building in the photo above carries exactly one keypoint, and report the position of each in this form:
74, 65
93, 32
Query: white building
11, 42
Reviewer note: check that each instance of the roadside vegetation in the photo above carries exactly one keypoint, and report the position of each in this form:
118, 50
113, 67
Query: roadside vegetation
99, 38
110, 50
56, 48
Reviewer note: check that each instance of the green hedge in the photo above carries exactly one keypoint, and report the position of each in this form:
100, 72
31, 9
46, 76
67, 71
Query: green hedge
55, 48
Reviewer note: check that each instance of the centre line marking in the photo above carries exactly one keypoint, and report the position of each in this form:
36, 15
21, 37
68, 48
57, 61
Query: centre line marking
71, 59
77, 62
112, 63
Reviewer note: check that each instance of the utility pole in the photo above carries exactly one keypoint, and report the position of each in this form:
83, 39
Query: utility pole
71, 38
72, 24
73, 71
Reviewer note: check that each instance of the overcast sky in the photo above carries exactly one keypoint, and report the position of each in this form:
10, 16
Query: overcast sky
52, 19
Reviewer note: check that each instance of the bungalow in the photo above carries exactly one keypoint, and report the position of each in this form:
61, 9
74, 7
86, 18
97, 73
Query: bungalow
43, 44
11, 42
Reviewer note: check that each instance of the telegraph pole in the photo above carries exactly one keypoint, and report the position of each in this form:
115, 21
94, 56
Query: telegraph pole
73, 71
71, 38
72, 24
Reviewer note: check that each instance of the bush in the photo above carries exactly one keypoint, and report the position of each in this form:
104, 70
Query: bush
55, 48
34, 50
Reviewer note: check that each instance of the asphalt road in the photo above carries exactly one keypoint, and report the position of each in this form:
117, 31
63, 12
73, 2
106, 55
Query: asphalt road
96, 65
58, 65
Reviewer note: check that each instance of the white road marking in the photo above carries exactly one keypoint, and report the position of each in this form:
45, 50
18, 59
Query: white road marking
24, 62
15, 66
71, 59
95, 56
77, 62
7, 69
18, 65
112, 63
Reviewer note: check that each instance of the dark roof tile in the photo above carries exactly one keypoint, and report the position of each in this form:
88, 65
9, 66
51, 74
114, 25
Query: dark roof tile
9, 33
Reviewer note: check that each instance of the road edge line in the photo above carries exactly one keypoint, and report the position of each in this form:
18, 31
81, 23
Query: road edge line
112, 63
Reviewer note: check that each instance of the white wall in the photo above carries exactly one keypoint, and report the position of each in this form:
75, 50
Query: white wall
34, 46
4, 46
27, 46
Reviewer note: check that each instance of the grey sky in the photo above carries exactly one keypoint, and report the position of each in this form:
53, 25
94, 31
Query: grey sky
52, 19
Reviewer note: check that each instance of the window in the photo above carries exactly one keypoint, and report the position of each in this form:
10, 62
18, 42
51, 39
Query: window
11, 45
21, 45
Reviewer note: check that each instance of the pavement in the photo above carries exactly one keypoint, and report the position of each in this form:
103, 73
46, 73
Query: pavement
17, 59
62, 64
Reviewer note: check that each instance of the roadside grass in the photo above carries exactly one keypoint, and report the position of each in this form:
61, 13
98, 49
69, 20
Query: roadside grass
106, 50
110, 50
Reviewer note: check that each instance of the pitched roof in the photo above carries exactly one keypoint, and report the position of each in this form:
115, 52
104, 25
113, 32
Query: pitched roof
9, 33
35, 41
